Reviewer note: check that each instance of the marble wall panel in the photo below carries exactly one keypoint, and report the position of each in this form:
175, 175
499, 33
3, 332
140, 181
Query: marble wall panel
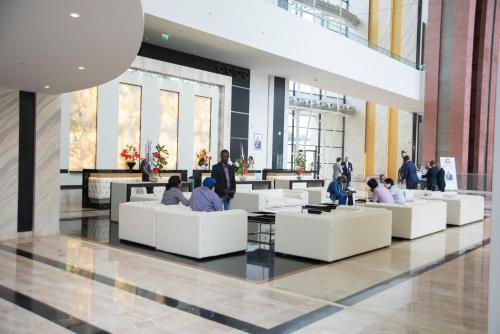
354, 145
409, 30
47, 187
9, 141
384, 27
405, 134
381, 139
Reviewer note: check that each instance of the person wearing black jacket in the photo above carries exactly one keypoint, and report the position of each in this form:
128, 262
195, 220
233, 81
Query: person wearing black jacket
441, 182
432, 177
347, 170
225, 182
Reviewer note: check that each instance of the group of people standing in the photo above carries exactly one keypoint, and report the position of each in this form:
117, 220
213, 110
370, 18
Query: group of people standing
433, 173
215, 193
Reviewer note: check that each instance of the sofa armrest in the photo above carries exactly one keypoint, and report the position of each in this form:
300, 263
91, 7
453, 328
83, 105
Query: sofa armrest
249, 202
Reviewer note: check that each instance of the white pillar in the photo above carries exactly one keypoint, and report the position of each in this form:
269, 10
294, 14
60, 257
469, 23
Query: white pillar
494, 285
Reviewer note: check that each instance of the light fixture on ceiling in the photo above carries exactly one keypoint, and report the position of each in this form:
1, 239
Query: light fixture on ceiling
81, 68
46, 86
74, 15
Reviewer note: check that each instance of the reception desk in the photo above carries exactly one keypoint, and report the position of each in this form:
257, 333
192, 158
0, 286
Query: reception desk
121, 192
96, 184
200, 175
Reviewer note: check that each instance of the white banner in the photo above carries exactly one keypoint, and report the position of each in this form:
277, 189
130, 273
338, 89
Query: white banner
448, 164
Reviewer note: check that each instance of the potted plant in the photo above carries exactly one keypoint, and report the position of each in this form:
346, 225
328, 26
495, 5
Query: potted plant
158, 160
241, 168
130, 154
299, 165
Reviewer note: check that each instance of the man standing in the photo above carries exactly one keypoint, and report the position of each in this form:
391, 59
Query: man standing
225, 182
347, 169
441, 182
410, 173
337, 169
432, 175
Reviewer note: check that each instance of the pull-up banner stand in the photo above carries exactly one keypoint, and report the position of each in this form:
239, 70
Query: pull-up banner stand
450, 170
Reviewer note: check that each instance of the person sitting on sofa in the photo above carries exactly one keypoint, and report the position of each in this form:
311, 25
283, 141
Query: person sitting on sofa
173, 194
335, 191
379, 193
204, 198
397, 195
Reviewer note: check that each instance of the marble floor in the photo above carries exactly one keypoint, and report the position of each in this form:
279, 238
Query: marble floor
74, 283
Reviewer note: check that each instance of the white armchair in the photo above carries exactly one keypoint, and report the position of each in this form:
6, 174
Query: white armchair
273, 200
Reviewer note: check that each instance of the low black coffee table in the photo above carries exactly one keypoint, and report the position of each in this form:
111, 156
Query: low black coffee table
262, 218
319, 208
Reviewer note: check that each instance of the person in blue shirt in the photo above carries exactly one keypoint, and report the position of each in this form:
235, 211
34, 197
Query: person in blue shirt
396, 193
410, 173
204, 198
335, 191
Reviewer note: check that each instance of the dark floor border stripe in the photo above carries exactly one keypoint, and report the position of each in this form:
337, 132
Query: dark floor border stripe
148, 294
96, 217
48, 312
380, 287
305, 319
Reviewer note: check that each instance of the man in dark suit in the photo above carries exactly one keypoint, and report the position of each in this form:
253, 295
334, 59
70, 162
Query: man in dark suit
432, 175
441, 182
347, 170
410, 173
225, 182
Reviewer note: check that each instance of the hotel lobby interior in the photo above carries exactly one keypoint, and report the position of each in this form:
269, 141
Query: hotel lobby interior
264, 166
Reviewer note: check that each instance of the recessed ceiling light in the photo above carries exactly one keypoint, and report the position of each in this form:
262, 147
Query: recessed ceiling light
46, 86
74, 15
165, 37
81, 67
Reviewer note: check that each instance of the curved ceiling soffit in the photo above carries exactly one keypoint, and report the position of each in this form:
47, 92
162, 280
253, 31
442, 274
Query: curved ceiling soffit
58, 46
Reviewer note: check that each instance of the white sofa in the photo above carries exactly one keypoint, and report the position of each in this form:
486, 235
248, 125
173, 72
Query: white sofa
318, 195
415, 219
461, 209
99, 188
272, 200
333, 236
157, 196
179, 230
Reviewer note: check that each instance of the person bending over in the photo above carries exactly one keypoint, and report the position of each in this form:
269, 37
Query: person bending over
335, 191
204, 198
379, 193
173, 194
396, 193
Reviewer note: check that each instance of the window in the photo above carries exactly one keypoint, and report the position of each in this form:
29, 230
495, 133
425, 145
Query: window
169, 120
129, 119
83, 129
202, 124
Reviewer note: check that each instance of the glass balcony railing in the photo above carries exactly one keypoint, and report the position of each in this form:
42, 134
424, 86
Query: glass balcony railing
330, 16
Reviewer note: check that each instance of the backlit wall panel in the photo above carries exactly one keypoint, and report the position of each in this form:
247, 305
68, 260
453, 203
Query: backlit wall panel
202, 116
169, 119
83, 129
129, 119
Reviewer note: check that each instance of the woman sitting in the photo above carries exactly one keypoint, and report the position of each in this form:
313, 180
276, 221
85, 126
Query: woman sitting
379, 193
173, 194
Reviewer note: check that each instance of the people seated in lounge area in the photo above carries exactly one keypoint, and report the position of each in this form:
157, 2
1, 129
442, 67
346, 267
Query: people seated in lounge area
397, 195
335, 191
379, 193
173, 194
204, 198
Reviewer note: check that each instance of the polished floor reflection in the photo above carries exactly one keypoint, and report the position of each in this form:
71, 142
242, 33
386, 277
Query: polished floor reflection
82, 282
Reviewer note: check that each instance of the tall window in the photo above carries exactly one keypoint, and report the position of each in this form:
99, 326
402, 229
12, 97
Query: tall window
83, 129
129, 119
202, 124
169, 119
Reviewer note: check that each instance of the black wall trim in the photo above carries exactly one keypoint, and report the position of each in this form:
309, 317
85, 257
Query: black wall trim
278, 121
26, 190
419, 36
71, 186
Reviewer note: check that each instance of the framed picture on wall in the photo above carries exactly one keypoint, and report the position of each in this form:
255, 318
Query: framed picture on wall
257, 141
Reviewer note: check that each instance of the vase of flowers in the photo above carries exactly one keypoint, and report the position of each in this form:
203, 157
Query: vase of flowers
241, 168
158, 160
299, 165
130, 154
203, 159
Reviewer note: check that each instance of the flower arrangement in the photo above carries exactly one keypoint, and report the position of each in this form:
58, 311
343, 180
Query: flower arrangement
203, 154
299, 164
241, 167
158, 158
130, 154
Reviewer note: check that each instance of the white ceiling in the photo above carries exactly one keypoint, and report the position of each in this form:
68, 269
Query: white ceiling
203, 44
42, 45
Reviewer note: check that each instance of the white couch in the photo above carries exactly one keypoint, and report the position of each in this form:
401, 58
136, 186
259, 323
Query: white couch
179, 230
415, 219
273, 200
157, 196
461, 209
333, 236
99, 188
